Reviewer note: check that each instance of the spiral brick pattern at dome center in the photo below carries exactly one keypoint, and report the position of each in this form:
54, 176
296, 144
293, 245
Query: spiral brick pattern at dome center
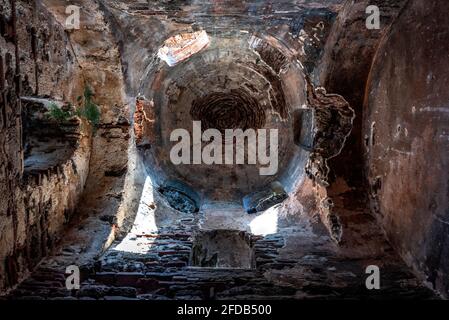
234, 110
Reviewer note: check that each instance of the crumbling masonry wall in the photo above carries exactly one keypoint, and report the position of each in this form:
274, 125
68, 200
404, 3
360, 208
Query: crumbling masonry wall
344, 69
35, 60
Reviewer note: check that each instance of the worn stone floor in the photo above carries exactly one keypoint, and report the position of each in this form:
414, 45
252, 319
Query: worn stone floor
294, 259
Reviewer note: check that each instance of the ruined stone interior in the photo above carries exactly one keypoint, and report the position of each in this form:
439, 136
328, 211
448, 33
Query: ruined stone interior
363, 162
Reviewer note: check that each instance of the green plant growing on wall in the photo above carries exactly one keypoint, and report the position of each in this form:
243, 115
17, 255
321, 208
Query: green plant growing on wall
86, 109
58, 114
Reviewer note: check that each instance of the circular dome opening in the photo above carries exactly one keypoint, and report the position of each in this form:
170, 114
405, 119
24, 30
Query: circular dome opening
238, 83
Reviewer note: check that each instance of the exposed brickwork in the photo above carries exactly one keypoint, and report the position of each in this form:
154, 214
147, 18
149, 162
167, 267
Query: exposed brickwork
144, 123
289, 265
135, 236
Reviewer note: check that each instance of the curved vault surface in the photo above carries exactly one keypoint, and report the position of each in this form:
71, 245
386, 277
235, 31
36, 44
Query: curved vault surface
243, 82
